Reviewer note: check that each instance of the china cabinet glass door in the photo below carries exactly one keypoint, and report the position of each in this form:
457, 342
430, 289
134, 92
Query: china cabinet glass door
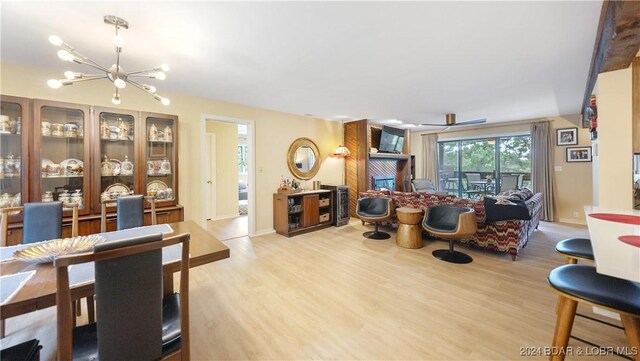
13, 151
61, 154
161, 158
116, 153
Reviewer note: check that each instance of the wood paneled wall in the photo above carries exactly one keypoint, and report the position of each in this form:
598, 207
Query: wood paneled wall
355, 139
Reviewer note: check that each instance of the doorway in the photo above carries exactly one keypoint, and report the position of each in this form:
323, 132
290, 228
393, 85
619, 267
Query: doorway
228, 176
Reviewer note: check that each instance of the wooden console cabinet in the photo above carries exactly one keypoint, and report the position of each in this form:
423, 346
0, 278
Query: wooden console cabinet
302, 212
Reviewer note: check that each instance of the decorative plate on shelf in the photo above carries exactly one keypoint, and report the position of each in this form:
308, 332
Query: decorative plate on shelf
118, 188
72, 166
156, 186
47, 251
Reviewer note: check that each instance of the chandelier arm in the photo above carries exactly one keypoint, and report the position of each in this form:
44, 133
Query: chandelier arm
94, 65
78, 80
139, 86
85, 59
139, 72
134, 75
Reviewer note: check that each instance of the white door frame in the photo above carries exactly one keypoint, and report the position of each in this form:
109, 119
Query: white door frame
212, 179
251, 176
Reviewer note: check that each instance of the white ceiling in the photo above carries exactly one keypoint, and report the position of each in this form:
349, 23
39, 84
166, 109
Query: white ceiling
412, 61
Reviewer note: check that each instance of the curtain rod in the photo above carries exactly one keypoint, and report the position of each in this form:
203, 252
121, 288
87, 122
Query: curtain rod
498, 125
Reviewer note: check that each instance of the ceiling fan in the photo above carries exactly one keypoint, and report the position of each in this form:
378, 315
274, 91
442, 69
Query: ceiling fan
451, 122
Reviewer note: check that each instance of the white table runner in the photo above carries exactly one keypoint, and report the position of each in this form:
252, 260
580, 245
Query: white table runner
11, 284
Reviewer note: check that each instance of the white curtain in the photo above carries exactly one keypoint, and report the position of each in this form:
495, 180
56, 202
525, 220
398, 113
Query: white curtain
542, 166
430, 162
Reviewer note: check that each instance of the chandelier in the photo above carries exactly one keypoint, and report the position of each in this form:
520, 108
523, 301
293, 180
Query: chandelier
115, 73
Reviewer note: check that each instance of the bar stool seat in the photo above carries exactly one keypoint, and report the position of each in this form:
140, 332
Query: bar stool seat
575, 248
581, 283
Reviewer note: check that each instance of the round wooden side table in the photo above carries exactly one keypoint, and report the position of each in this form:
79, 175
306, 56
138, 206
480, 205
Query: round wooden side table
409, 233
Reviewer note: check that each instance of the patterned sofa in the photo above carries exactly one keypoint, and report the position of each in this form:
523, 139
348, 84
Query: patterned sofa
507, 236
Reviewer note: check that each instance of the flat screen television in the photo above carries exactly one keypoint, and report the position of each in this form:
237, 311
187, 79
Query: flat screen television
391, 140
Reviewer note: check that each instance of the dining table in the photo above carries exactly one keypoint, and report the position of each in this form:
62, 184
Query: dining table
615, 239
479, 187
39, 290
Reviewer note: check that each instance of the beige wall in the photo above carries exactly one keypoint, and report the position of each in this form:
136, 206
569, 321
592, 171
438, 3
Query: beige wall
274, 132
226, 173
572, 181
614, 170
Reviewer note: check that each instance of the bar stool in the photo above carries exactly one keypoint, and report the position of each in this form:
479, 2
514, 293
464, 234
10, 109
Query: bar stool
575, 248
581, 283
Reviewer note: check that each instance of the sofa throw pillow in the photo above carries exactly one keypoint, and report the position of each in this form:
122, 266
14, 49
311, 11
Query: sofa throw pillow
502, 212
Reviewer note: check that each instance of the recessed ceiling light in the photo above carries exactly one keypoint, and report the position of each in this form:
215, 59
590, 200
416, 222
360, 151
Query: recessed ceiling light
391, 121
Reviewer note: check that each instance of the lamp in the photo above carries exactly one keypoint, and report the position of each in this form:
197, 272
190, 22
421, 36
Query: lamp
115, 73
342, 151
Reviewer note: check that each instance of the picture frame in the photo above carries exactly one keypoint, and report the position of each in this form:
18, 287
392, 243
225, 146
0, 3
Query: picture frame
579, 154
567, 136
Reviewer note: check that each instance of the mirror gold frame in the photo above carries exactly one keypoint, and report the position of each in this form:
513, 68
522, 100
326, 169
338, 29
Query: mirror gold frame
291, 158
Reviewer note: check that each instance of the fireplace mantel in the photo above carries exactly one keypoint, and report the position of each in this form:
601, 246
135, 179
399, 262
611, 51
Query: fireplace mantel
389, 156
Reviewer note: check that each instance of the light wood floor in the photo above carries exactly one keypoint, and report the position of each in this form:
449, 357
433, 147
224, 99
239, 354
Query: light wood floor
229, 228
332, 294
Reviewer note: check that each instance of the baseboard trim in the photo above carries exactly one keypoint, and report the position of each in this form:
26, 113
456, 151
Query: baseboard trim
572, 221
262, 232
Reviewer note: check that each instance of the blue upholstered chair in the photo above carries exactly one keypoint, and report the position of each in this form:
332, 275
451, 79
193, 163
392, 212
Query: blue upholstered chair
136, 320
129, 212
41, 222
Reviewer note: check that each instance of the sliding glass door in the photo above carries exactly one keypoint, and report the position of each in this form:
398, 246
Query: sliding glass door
475, 167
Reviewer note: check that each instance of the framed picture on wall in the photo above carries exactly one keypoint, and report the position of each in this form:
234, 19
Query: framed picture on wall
567, 136
578, 154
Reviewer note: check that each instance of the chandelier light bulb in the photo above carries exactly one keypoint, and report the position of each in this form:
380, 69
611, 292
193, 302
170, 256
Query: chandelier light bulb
165, 101
54, 83
116, 99
160, 75
118, 41
150, 88
65, 55
163, 67
55, 40
119, 83
69, 74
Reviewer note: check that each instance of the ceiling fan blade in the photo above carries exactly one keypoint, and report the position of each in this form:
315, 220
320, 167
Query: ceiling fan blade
434, 125
476, 121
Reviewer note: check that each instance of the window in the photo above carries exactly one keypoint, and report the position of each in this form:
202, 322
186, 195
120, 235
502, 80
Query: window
242, 159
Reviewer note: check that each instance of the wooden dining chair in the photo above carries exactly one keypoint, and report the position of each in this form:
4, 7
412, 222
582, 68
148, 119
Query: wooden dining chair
136, 320
129, 211
41, 222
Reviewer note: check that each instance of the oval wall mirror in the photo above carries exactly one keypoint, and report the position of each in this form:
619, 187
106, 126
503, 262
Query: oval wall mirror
303, 158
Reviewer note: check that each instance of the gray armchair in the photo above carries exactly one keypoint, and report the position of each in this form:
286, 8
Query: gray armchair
423, 185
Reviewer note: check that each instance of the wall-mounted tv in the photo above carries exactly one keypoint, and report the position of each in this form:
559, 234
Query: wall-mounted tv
391, 140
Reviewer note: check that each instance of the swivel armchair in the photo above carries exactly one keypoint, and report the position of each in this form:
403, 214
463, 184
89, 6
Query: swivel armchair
376, 210
450, 223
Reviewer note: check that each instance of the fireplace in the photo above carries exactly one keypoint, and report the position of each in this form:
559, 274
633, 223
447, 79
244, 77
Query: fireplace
388, 182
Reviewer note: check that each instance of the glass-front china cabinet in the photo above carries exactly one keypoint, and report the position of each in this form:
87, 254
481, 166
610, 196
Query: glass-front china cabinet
117, 171
14, 132
60, 154
161, 158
